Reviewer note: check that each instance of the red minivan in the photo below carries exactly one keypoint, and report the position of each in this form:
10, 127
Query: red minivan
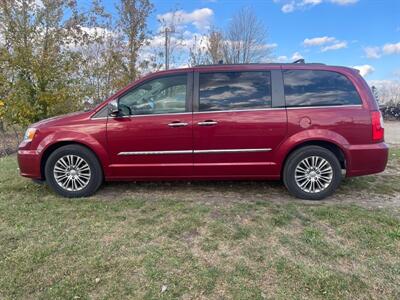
307, 124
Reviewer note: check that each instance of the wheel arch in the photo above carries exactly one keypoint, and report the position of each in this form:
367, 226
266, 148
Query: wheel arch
51, 148
331, 146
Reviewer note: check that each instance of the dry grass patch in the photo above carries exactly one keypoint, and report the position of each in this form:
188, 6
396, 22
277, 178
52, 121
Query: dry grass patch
195, 241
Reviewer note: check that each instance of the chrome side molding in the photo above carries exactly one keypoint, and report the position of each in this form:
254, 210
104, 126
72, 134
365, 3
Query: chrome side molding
231, 150
210, 151
156, 152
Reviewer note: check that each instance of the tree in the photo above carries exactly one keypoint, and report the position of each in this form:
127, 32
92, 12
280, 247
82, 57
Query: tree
102, 55
215, 46
4, 85
244, 40
132, 26
389, 92
38, 54
198, 52
113, 48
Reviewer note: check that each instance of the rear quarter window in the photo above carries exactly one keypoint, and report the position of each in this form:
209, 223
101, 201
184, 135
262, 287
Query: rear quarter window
318, 88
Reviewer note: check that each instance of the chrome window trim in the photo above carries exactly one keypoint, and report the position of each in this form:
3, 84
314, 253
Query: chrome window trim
237, 110
196, 112
327, 106
210, 151
149, 115
134, 116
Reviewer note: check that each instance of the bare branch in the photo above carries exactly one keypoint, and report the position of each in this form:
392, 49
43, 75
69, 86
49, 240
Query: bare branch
245, 39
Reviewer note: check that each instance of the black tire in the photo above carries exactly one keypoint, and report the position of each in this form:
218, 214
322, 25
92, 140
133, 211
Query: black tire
299, 155
96, 172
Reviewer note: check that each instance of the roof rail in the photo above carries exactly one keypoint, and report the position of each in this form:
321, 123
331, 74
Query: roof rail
221, 63
299, 61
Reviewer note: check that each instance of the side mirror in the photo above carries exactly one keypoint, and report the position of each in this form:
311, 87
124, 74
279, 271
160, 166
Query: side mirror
113, 110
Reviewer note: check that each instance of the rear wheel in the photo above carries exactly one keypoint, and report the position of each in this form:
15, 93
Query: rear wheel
312, 173
73, 171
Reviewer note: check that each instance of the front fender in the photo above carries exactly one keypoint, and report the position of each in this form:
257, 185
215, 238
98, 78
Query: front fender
97, 145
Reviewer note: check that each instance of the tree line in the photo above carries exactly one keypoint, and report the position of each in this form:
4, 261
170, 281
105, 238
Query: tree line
56, 57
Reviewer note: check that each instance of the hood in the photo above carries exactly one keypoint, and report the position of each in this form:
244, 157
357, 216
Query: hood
63, 119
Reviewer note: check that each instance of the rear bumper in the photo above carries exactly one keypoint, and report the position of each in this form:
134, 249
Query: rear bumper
366, 159
29, 163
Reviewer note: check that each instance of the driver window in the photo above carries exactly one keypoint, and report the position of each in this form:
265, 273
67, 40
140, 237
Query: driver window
166, 95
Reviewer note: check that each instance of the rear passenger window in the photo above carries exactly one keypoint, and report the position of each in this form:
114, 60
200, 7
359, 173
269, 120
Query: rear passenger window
234, 90
318, 88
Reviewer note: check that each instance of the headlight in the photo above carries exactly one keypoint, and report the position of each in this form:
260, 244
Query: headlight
29, 134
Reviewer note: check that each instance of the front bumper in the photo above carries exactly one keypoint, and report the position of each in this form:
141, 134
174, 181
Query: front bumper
29, 163
366, 159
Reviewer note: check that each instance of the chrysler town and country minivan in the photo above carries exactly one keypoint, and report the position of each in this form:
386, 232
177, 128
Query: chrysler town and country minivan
307, 124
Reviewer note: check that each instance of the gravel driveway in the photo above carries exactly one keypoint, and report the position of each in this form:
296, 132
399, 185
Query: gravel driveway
392, 132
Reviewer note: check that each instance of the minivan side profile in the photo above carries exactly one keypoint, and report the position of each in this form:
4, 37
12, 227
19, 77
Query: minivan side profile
305, 124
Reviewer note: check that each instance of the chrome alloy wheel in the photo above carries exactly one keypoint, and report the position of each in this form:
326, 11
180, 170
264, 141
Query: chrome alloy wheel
313, 174
72, 173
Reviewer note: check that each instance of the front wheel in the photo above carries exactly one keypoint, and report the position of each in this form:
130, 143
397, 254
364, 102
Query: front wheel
312, 173
73, 171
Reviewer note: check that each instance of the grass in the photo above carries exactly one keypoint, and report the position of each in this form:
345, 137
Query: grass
385, 184
146, 242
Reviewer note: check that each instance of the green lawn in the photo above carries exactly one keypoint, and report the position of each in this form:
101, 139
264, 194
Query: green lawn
126, 244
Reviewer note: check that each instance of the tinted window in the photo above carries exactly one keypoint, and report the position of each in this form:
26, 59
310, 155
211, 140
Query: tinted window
102, 113
158, 96
235, 90
318, 88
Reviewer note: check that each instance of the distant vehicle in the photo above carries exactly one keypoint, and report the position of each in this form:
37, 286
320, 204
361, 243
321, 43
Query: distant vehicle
307, 124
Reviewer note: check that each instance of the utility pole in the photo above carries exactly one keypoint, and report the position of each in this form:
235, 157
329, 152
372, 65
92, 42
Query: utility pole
167, 32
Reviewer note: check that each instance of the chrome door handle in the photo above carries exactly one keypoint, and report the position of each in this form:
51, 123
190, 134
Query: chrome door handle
177, 124
207, 123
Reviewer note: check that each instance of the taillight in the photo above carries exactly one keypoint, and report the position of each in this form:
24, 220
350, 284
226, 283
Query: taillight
377, 126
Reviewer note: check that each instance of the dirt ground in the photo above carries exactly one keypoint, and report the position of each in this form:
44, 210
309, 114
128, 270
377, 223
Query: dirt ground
392, 132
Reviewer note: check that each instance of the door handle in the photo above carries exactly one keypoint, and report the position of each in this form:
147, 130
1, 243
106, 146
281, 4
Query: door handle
207, 123
177, 124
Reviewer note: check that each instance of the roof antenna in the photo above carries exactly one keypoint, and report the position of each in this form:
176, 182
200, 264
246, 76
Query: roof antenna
221, 62
299, 61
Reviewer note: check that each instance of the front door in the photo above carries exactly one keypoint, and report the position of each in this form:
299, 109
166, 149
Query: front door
236, 129
152, 137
